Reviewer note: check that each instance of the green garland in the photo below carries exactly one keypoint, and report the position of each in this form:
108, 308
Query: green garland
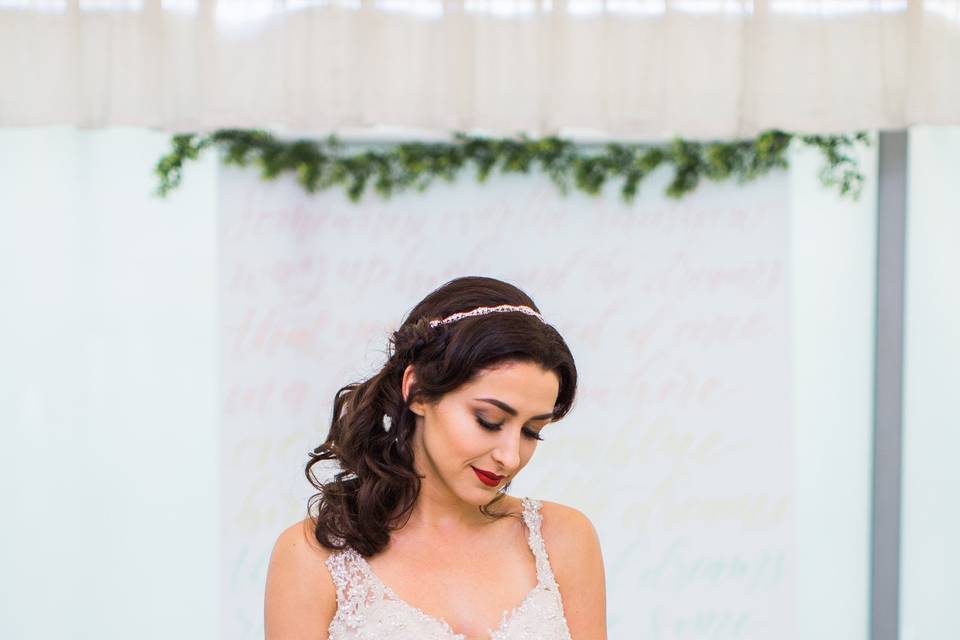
398, 167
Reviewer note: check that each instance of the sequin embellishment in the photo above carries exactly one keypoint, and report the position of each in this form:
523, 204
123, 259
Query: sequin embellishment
367, 609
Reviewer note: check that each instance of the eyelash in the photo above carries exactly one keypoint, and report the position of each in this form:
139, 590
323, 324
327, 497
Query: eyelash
533, 435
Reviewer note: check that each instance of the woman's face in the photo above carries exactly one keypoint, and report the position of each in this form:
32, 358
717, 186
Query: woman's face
488, 425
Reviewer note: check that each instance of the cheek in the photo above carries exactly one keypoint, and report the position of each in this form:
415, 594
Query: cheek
453, 437
527, 447
466, 438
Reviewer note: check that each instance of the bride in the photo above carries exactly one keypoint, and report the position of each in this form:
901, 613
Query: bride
415, 537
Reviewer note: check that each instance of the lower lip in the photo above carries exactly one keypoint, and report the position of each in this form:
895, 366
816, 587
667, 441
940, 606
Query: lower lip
485, 479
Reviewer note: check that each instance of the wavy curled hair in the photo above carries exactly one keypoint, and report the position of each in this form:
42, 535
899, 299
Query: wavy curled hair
376, 486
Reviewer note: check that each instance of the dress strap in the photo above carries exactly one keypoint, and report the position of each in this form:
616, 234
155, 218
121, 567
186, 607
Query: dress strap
533, 520
354, 588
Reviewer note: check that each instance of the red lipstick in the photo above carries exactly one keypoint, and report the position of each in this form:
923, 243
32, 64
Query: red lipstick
487, 478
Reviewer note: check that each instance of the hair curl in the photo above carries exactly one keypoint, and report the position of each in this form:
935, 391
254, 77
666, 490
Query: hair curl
377, 486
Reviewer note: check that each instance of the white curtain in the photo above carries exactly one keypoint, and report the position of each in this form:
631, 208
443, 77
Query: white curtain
626, 69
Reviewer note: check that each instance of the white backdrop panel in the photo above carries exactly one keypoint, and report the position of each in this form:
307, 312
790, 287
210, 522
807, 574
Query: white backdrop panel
680, 445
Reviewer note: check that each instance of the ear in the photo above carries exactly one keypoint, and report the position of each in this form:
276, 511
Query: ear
410, 377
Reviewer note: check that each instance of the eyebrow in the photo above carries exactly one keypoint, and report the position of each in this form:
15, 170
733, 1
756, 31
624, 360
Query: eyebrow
511, 410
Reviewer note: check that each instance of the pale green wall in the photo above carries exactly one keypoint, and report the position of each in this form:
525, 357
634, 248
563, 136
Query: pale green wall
930, 552
833, 242
108, 390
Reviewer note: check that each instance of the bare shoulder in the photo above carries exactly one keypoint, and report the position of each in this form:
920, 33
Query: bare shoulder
300, 598
566, 528
574, 551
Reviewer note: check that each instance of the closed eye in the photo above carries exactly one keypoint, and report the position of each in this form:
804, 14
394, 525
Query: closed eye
489, 426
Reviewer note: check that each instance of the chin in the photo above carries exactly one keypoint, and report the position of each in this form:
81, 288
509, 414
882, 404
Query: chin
478, 496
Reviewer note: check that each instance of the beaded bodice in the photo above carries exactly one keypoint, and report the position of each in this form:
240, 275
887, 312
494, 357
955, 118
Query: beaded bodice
367, 609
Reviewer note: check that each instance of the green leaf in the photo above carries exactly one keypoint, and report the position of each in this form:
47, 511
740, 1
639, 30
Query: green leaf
320, 165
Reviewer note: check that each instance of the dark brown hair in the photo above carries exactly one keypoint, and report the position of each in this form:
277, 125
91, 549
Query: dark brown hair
376, 487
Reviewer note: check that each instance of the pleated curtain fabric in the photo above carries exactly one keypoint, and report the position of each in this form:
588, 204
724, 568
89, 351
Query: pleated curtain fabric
621, 69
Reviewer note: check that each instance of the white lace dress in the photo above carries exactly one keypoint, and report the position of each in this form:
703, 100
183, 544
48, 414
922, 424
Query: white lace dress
367, 609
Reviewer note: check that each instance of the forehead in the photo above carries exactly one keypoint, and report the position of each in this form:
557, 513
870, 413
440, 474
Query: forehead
525, 386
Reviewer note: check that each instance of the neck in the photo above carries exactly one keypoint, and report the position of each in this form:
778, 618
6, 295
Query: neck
438, 509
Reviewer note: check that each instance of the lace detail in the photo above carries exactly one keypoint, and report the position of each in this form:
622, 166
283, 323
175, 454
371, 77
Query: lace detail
367, 609
533, 518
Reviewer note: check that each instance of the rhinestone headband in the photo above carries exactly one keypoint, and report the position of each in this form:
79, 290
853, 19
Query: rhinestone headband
482, 311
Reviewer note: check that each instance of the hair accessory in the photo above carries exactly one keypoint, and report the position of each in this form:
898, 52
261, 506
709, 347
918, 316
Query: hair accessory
482, 311
387, 422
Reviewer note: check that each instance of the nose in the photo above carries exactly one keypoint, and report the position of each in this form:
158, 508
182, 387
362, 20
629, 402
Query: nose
507, 452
